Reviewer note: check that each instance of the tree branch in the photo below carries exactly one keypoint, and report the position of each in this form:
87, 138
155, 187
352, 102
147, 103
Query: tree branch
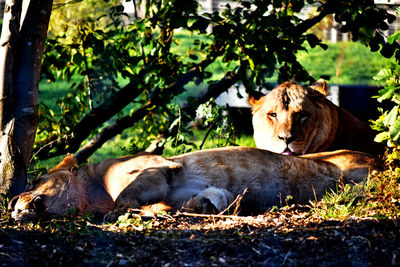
110, 131
213, 91
104, 112
94, 119
221, 86
309, 23
118, 126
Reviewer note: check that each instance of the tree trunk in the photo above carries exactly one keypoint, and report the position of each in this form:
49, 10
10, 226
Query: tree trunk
20, 62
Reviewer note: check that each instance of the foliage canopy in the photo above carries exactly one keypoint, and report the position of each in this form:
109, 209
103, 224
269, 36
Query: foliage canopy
125, 70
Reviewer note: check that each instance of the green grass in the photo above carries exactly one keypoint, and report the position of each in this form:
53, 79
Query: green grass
377, 197
344, 63
50, 92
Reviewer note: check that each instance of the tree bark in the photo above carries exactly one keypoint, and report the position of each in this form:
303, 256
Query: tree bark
8, 42
9, 36
20, 74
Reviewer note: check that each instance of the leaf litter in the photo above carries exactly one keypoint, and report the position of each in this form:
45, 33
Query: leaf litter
289, 236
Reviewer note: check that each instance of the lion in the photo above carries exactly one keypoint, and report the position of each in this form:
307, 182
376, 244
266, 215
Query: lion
205, 181
295, 119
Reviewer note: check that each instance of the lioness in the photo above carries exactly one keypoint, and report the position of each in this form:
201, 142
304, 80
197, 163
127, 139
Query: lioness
294, 119
203, 181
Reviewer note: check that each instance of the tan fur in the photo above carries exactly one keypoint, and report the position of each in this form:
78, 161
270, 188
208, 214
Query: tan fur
203, 181
293, 119
68, 163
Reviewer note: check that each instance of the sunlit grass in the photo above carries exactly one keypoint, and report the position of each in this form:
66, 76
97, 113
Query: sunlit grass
377, 197
344, 63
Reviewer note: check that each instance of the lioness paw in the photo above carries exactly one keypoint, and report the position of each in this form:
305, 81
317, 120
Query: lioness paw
210, 200
200, 204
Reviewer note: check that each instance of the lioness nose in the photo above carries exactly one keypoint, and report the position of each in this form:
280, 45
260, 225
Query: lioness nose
288, 138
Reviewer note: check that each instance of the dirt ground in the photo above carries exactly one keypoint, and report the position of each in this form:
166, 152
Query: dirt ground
292, 236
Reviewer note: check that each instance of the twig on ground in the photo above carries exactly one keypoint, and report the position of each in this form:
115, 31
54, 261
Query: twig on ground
213, 216
235, 202
315, 195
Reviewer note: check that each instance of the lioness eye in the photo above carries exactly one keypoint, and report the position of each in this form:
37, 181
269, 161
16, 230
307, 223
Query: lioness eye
272, 114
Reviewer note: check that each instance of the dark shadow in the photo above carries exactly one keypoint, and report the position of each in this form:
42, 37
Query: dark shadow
285, 238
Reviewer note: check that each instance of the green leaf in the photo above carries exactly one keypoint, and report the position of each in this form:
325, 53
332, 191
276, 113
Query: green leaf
396, 98
251, 63
380, 137
176, 122
386, 93
312, 40
395, 131
193, 56
98, 47
383, 74
393, 38
77, 59
119, 8
391, 118
323, 46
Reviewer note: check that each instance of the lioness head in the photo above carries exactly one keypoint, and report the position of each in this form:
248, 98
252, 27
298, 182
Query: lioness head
294, 119
56, 193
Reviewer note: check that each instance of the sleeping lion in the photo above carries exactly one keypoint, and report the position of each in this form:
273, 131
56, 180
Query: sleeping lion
295, 119
202, 181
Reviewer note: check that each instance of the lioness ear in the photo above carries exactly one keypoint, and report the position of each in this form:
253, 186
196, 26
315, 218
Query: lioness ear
67, 164
254, 96
320, 86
